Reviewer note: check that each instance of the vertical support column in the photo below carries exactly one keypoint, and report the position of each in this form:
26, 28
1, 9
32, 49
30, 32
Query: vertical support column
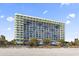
62, 31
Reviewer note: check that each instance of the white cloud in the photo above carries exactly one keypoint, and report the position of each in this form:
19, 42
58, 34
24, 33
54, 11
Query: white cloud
44, 12
1, 16
68, 21
9, 29
72, 15
15, 13
10, 19
63, 4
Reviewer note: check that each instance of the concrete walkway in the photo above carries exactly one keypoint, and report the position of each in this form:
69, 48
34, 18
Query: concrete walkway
39, 51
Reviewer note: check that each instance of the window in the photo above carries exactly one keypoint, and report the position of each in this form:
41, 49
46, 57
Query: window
57, 26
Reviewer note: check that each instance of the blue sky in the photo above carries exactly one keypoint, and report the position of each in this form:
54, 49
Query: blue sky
64, 12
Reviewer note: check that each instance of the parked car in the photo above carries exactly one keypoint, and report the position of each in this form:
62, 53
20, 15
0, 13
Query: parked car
53, 43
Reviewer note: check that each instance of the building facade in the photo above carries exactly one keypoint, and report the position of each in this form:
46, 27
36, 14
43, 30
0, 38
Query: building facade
27, 27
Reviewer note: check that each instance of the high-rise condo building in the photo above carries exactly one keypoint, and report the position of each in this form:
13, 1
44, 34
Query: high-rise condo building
27, 27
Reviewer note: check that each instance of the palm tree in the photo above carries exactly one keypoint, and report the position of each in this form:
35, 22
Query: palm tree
3, 41
13, 42
3, 37
46, 41
33, 42
62, 42
76, 41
